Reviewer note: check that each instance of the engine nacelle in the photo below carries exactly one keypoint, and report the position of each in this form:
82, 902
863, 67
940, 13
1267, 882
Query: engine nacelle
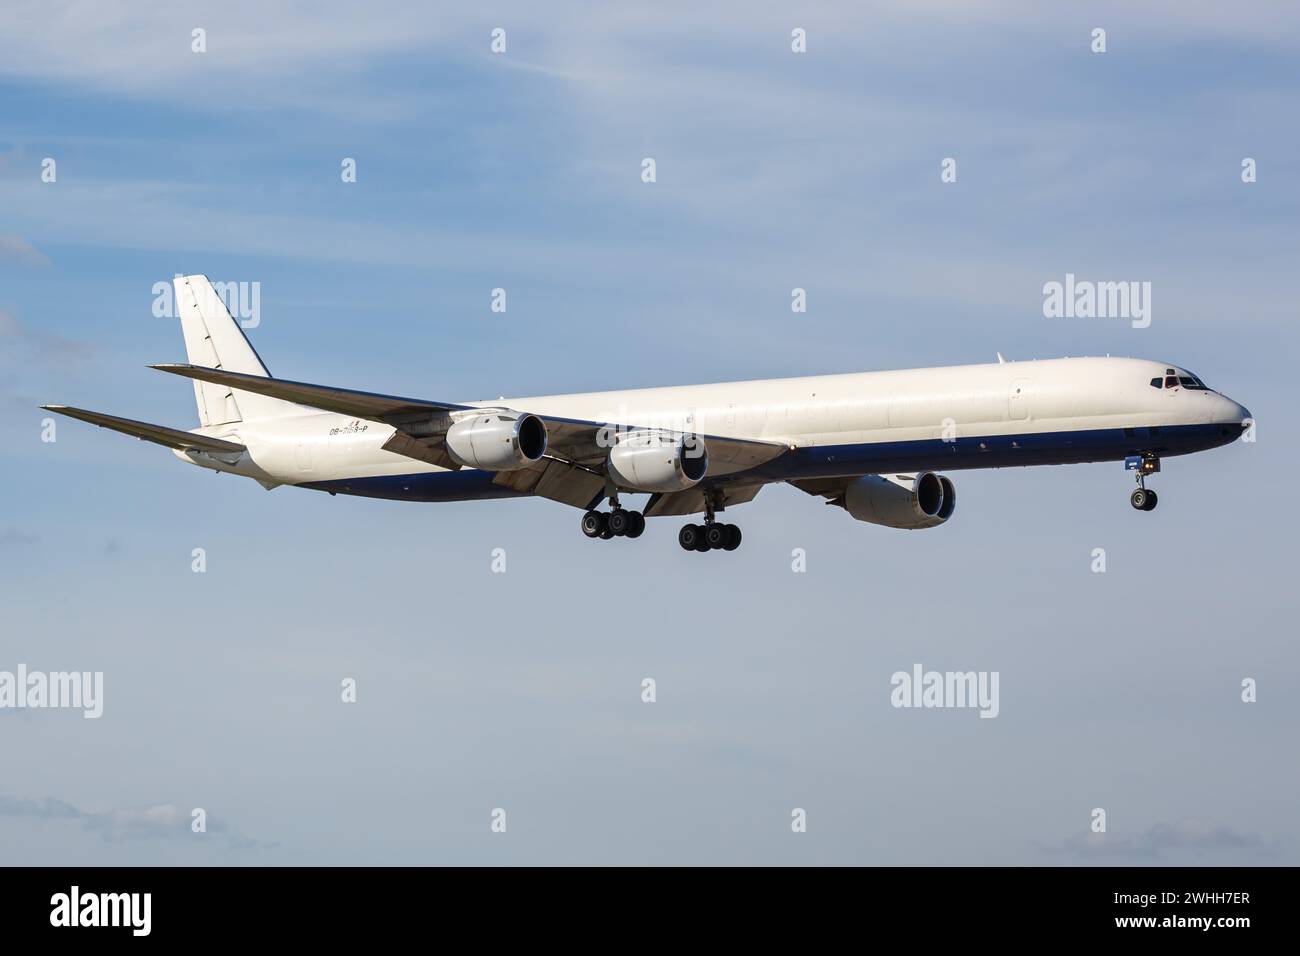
923, 500
658, 461
497, 440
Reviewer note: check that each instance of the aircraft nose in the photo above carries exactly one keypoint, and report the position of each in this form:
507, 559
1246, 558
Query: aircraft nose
1230, 411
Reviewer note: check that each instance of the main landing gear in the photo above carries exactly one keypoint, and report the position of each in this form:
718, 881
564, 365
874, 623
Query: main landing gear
712, 535
613, 524
1143, 499
619, 523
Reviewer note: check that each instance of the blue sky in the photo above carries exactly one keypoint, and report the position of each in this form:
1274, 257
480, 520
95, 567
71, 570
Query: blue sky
522, 690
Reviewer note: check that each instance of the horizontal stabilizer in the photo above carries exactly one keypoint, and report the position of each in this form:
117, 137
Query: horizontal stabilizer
159, 434
344, 401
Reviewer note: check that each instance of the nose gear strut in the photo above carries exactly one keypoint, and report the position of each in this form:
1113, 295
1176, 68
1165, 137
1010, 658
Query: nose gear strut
1143, 499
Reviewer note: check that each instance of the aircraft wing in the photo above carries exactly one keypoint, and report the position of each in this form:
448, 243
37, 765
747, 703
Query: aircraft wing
832, 489
344, 401
159, 434
580, 442
557, 480
573, 471
691, 501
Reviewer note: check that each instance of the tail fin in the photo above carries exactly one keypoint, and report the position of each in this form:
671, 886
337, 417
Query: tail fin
213, 339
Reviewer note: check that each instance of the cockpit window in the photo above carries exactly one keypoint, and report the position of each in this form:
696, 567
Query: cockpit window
1179, 378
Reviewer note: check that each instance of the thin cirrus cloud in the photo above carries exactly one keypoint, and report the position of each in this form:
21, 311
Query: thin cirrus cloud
20, 343
132, 48
144, 49
158, 821
15, 250
726, 124
1169, 840
14, 537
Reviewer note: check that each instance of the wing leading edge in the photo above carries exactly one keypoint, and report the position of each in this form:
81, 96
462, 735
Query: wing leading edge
344, 401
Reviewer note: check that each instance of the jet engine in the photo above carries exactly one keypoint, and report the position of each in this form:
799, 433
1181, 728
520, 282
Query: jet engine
657, 461
923, 500
497, 440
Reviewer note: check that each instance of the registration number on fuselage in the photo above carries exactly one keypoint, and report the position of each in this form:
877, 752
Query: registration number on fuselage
351, 428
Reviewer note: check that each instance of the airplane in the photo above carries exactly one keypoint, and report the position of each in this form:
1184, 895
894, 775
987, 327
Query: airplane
871, 443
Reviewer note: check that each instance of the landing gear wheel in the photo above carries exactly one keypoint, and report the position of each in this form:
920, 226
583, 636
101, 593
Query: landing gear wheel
619, 522
606, 533
636, 524
1139, 499
717, 536
690, 537
593, 523
733, 538
1152, 498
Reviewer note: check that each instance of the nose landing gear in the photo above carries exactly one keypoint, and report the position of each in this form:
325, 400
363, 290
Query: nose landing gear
1142, 498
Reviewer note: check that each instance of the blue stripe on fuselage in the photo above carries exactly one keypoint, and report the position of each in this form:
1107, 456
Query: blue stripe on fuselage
998, 451
466, 485
823, 461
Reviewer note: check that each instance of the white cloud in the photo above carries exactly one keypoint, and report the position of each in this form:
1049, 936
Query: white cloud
18, 250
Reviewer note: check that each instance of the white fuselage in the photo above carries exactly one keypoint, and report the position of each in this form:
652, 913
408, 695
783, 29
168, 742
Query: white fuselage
1036, 412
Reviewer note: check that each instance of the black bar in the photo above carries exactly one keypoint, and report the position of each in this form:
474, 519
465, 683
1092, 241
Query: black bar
378, 904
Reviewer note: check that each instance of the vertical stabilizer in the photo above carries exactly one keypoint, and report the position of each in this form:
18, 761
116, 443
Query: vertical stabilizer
214, 339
